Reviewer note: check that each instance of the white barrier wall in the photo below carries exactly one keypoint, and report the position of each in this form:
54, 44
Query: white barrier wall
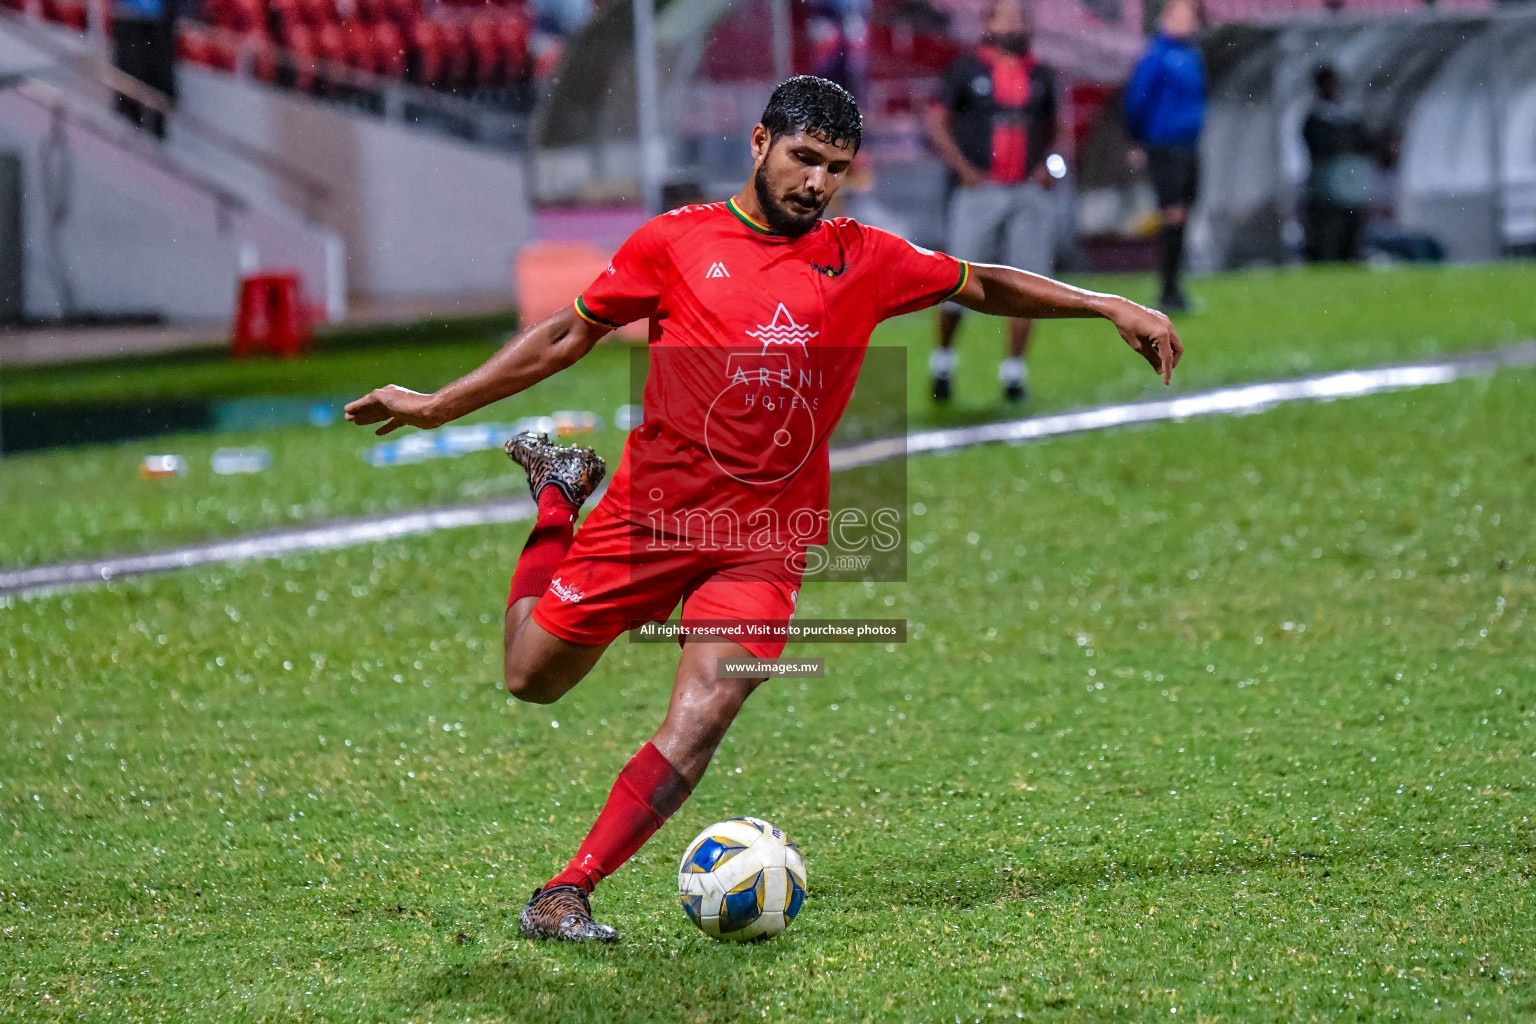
420, 213
111, 224
110, 229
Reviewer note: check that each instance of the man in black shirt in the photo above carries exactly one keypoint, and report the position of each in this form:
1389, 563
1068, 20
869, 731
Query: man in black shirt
992, 123
1339, 183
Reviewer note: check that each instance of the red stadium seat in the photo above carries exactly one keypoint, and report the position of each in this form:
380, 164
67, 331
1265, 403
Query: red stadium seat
195, 45
456, 54
402, 12
288, 12
237, 15
66, 12
512, 29
389, 55
359, 45
318, 12
264, 57
300, 42
219, 12
426, 43
331, 43
222, 52
485, 45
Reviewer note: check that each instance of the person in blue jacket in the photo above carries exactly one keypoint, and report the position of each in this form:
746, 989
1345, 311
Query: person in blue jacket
1165, 111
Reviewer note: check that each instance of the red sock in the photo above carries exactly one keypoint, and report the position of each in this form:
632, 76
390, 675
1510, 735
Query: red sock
547, 544
646, 794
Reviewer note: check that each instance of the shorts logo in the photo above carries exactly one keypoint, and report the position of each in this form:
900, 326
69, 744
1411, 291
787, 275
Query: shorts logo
782, 330
565, 592
717, 269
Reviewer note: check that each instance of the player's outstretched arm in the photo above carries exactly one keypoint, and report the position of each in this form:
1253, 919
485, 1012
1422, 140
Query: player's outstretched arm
1004, 291
534, 353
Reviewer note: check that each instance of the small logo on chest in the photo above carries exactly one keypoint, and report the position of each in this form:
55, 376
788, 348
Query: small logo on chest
717, 269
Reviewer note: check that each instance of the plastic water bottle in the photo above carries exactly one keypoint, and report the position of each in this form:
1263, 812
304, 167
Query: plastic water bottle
159, 467
628, 417
227, 461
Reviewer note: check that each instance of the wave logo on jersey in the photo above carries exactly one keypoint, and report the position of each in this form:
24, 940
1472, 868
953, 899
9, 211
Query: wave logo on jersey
782, 330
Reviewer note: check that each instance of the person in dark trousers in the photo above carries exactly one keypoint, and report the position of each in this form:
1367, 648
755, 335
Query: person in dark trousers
144, 46
1339, 184
992, 123
1165, 112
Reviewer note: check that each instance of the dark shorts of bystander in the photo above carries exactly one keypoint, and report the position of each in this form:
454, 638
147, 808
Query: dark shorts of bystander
1175, 174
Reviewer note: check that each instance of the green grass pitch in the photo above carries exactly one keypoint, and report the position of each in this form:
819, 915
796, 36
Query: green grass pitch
75, 504
1223, 720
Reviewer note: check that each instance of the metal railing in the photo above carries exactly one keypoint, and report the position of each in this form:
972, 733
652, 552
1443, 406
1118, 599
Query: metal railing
92, 75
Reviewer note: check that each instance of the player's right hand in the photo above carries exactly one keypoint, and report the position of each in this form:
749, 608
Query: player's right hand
400, 407
1150, 333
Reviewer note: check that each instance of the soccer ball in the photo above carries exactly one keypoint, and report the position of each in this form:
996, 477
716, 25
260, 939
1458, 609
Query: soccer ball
742, 879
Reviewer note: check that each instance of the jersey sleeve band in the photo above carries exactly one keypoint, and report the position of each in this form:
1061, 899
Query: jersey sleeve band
965, 279
590, 317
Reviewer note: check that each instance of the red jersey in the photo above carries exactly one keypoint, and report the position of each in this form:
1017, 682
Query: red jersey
756, 341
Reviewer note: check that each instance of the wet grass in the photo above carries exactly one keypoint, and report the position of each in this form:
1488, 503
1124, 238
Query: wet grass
1223, 720
77, 503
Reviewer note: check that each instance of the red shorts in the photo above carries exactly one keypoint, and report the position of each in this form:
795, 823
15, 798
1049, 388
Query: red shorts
614, 579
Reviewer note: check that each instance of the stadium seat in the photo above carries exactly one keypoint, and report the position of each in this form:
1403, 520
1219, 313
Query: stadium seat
66, 12
403, 12
263, 55
194, 44
456, 54
287, 12
300, 42
474, 44
317, 12
242, 15
331, 43
512, 28
359, 45
426, 46
389, 52
485, 46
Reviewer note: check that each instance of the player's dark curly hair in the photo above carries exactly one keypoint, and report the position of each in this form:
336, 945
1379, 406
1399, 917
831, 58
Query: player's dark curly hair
817, 107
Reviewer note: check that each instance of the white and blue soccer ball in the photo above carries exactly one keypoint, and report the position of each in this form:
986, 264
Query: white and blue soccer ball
742, 879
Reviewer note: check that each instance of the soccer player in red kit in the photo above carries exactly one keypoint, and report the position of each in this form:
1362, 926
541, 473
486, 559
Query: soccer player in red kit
760, 312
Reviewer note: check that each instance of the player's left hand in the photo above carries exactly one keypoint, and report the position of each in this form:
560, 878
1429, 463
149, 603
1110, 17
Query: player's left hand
401, 407
1150, 333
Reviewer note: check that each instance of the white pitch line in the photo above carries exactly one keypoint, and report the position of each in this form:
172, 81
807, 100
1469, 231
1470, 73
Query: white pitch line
265, 545
1224, 401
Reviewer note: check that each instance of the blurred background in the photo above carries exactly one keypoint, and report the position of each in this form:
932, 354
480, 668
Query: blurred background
220, 216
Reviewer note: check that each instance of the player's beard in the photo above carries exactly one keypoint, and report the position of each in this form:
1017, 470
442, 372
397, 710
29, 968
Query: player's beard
781, 220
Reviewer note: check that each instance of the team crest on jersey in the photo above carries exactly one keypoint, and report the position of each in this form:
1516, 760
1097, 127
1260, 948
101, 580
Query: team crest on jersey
782, 330
717, 269
565, 592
